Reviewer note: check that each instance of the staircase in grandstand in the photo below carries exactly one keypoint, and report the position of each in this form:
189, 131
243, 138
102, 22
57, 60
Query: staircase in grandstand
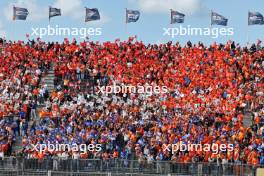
248, 117
48, 79
18, 145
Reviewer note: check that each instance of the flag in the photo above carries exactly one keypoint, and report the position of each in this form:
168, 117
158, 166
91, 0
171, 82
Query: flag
132, 16
20, 13
255, 18
217, 19
177, 17
92, 14
54, 12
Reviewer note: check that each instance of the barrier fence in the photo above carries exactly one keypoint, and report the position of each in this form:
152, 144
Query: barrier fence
51, 167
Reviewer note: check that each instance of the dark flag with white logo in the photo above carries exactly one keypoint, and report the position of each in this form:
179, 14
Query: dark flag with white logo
177, 17
54, 12
92, 14
217, 19
132, 16
255, 18
20, 13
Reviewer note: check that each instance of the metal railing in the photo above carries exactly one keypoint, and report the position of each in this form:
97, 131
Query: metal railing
18, 165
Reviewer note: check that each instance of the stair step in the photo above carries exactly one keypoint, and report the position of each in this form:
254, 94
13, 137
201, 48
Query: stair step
49, 77
247, 121
48, 81
18, 144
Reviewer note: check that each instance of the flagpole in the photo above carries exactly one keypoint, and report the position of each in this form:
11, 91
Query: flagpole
14, 13
171, 24
85, 14
170, 16
247, 40
247, 35
49, 14
126, 23
211, 12
211, 18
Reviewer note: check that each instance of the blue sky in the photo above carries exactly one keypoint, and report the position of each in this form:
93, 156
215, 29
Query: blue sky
155, 16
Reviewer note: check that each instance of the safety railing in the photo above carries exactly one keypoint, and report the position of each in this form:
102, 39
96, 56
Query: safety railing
123, 166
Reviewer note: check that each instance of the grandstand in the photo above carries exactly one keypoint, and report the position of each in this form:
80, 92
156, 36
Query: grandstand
49, 94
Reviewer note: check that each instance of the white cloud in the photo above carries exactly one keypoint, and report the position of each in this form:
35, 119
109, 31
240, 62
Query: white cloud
2, 31
36, 12
163, 6
158, 42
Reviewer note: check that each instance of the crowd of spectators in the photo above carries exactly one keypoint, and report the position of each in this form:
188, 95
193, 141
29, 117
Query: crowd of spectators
211, 90
20, 72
